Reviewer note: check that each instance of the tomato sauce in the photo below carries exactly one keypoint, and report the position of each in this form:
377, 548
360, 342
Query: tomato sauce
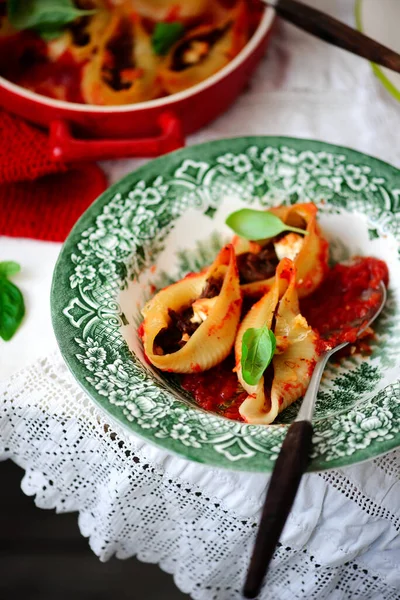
24, 60
216, 390
347, 294
141, 330
60, 79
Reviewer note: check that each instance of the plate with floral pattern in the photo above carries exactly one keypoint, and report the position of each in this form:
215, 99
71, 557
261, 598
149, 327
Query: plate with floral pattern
167, 219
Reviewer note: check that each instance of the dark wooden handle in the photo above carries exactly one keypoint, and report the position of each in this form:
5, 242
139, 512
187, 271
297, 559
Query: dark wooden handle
289, 468
334, 32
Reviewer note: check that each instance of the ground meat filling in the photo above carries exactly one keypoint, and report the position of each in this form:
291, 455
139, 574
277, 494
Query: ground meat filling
268, 381
169, 339
80, 36
262, 265
78, 27
119, 57
212, 288
196, 49
256, 267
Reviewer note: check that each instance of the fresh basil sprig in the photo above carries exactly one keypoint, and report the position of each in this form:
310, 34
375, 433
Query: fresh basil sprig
254, 224
12, 307
258, 348
46, 17
165, 35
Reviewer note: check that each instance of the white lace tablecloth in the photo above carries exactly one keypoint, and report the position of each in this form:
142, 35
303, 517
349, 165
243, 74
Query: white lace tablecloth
342, 538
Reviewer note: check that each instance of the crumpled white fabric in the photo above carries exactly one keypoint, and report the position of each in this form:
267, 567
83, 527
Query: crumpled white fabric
341, 540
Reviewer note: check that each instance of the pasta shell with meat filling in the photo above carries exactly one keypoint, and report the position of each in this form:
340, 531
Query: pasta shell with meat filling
287, 377
190, 326
204, 50
257, 262
83, 36
124, 68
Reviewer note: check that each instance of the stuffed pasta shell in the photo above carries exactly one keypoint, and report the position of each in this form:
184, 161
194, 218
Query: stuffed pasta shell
124, 68
258, 260
205, 50
287, 377
191, 325
83, 36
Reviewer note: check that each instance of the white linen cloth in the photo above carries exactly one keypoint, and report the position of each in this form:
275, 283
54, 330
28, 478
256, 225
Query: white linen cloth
342, 538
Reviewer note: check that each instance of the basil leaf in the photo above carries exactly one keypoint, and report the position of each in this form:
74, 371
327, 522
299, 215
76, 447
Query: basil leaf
165, 35
12, 309
258, 348
47, 16
9, 268
258, 224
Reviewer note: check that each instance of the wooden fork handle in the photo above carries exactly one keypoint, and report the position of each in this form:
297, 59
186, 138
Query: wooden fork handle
285, 479
335, 32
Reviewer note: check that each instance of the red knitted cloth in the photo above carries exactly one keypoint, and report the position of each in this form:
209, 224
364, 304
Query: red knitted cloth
39, 198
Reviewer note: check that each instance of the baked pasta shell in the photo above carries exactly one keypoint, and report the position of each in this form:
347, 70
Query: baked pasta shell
136, 83
85, 36
296, 354
213, 339
224, 40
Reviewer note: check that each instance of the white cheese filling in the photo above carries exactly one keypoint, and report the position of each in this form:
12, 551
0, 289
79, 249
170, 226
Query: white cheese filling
289, 246
201, 309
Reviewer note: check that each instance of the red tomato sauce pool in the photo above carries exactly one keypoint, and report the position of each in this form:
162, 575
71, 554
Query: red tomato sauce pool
60, 79
216, 390
24, 61
347, 294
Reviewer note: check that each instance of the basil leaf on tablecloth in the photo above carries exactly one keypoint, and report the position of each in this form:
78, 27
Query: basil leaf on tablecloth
254, 224
165, 35
12, 306
47, 17
8, 268
258, 348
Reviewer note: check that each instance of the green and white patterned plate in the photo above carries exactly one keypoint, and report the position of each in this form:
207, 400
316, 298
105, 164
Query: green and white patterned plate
167, 219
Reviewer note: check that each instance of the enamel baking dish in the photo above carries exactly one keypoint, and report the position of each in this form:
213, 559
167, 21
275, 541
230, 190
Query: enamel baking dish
85, 132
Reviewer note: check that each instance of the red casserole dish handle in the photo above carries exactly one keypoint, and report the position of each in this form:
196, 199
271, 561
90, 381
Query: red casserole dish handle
66, 148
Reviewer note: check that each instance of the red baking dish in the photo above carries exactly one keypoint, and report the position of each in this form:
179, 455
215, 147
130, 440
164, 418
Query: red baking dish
85, 132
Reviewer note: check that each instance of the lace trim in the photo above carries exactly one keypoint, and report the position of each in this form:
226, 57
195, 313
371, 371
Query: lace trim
199, 524
367, 504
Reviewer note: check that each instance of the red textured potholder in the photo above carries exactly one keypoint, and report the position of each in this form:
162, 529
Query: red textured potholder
47, 209
24, 151
39, 198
